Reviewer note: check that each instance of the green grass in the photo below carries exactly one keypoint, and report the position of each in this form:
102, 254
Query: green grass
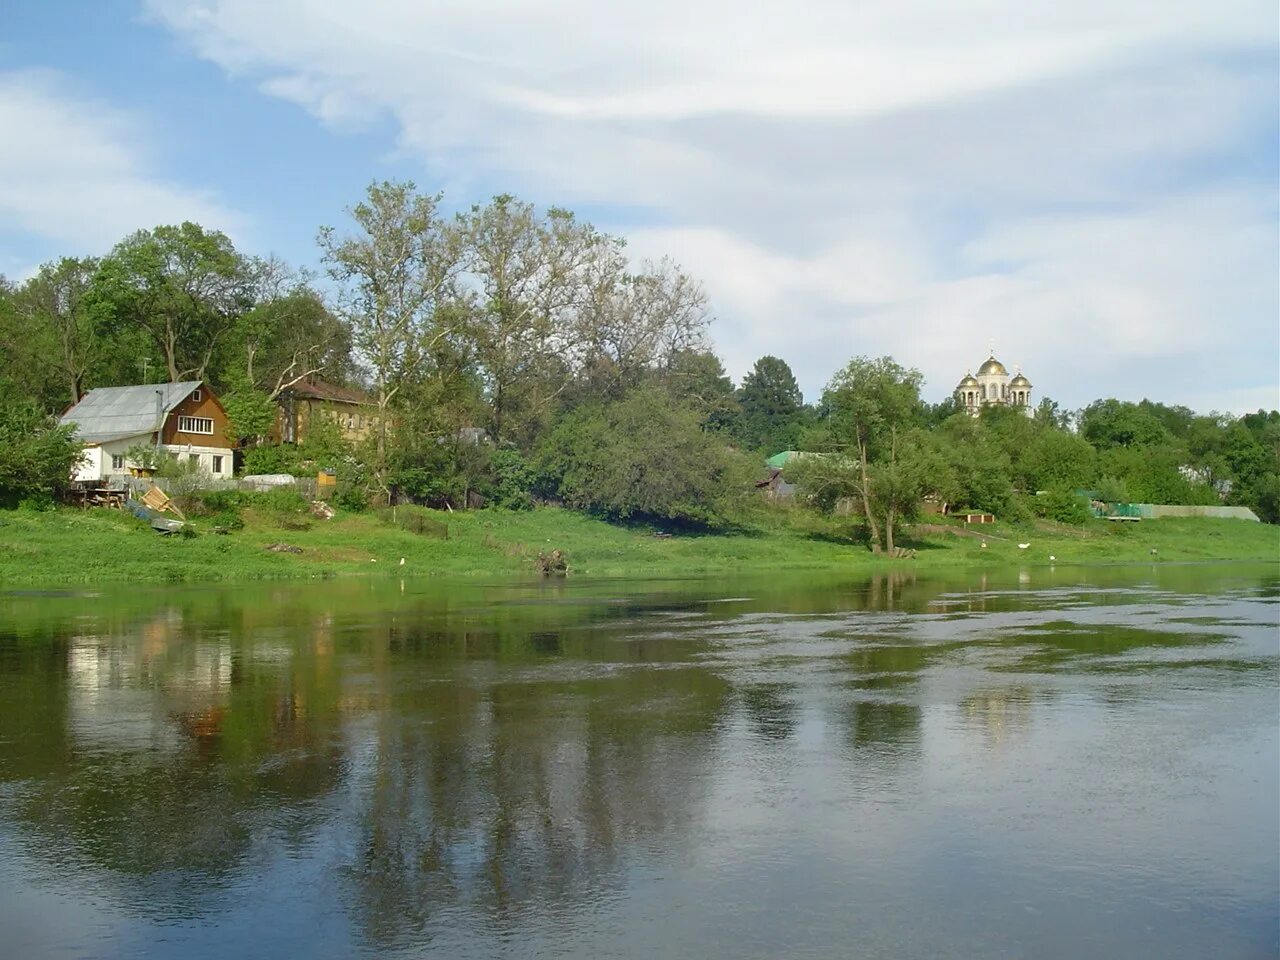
70, 546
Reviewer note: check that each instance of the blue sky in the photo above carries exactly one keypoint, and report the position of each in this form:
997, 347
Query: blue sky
1093, 188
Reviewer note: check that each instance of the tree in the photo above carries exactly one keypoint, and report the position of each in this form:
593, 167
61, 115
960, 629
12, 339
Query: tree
533, 273
1118, 423
396, 279
865, 407
770, 406
697, 380
36, 454
183, 286
61, 329
645, 457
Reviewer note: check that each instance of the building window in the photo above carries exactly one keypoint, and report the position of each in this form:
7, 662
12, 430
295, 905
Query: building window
197, 395
351, 421
117, 461
217, 463
195, 425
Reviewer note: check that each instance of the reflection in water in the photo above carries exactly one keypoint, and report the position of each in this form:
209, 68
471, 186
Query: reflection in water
568, 768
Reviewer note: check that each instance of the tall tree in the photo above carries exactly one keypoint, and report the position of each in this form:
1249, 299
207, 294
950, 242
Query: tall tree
770, 406
866, 406
184, 286
534, 274
60, 328
396, 283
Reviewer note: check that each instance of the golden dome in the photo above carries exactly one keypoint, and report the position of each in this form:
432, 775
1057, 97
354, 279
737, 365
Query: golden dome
968, 381
1019, 381
992, 367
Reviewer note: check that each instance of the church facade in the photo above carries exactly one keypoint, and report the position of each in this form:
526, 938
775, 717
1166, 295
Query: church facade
993, 387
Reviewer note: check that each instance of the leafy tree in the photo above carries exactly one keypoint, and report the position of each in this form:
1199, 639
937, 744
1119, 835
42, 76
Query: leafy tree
865, 407
61, 329
770, 406
1118, 423
183, 286
533, 270
36, 454
696, 379
645, 457
1054, 459
396, 285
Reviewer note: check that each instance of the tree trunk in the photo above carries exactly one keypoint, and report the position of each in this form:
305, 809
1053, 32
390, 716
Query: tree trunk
888, 532
866, 496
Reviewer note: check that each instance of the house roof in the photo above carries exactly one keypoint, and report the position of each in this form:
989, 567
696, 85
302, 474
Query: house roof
112, 413
323, 390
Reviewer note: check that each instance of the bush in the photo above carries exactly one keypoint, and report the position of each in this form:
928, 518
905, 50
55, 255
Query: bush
1063, 506
645, 457
36, 455
350, 496
511, 481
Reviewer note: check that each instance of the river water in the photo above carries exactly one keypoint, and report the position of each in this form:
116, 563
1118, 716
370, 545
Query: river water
1046, 763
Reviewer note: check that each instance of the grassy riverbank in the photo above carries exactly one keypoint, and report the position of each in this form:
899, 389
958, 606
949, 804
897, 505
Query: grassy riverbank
70, 546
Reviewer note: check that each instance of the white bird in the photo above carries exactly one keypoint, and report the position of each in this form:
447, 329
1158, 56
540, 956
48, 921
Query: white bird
373, 560
1052, 558
1023, 546
984, 544
1153, 551
402, 561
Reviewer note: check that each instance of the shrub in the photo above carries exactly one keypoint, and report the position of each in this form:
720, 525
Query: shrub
36, 455
511, 481
1062, 505
645, 457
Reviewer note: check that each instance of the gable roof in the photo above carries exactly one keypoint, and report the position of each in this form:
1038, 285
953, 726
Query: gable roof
324, 390
112, 413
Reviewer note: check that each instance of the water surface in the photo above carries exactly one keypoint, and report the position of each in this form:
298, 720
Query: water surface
1057, 763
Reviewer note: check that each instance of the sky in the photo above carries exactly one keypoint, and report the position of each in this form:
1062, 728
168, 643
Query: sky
1093, 188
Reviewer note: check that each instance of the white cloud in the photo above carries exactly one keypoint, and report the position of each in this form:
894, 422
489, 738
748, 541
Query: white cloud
914, 177
73, 171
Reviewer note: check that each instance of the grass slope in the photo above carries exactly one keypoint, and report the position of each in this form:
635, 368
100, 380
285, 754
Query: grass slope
70, 546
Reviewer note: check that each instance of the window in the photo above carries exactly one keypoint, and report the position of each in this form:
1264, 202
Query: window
197, 395
217, 463
117, 461
195, 425
351, 421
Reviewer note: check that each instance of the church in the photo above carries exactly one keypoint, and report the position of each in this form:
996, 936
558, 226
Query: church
993, 387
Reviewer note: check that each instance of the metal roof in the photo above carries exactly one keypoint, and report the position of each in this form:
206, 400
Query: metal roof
112, 413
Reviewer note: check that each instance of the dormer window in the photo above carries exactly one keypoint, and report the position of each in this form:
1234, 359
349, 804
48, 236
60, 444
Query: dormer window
197, 394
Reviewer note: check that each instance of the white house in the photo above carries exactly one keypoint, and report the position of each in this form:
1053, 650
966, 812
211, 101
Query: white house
189, 419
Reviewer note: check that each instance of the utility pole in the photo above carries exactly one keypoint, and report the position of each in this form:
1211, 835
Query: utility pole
159, 420
146, 369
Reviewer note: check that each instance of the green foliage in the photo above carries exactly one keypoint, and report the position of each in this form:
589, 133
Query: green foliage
249, 410
36, 455
1061, 505
511, 481
1117, 423
1054, 459
1113, 490
771, 407
645, 457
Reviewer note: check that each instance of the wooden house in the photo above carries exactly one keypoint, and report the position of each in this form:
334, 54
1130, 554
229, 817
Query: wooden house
188, 417
301, 406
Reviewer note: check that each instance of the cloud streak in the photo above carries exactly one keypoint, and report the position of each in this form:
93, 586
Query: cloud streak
74, 172
1087, 184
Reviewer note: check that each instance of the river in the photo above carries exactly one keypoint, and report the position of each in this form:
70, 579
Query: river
1043, 763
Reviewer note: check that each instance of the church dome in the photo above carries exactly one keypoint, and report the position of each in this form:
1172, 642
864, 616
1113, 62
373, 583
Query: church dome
969, 381
992, 367
1019, 381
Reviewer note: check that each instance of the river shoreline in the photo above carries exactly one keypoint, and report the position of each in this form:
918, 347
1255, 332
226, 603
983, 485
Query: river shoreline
77, 547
